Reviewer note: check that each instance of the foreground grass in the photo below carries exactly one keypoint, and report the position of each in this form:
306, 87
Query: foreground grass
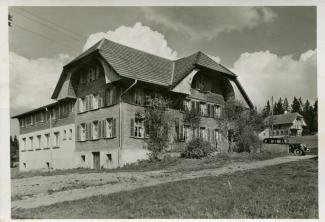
283, 191
167, 163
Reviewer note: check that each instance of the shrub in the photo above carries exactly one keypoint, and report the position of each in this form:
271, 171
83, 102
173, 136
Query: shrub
197, 148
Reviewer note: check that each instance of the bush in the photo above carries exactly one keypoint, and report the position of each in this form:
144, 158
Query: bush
197, 148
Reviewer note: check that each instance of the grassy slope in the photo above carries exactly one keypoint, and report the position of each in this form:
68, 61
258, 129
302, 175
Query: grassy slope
282, 191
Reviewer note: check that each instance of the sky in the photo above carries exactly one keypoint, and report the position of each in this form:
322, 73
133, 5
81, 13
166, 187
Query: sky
271, 49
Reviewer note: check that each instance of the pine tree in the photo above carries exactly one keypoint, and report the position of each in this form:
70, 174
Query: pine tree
307, 113
315, 117
266, 110
285, 105
296, 107
278, 108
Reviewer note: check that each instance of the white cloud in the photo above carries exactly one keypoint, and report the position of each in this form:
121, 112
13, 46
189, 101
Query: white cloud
212, 22
264, 74
32, 81
139, 37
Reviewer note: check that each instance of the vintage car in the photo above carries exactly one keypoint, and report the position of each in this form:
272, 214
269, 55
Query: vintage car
294, 148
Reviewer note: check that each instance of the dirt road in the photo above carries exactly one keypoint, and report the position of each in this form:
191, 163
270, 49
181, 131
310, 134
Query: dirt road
39, 191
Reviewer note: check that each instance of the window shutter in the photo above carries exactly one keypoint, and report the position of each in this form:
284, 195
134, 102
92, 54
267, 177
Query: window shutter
212, 110
114, 127
104, 128
193, 106
132, 127
78, 106
100, 129
197, 106
208, 108
87, 103
78, 133
114, 95
91, 101
86, 131
208, 131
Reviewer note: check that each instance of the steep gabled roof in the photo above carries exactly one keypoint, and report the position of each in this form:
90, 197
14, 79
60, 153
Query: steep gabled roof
136, 64
287, 118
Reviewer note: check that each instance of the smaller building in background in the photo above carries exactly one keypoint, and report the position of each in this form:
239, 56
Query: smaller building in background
284, 125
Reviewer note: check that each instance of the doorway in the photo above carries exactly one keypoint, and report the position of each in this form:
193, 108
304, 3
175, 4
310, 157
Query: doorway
96, 160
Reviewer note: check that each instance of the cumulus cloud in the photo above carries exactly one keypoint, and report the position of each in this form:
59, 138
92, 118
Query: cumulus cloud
264, 74
32, 81
139, 37
212, 22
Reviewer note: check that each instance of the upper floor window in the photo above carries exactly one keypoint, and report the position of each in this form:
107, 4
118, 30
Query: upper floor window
31, 145
138, 96
81, 104
217, 111
186, 105
22, 122
56, 139
38, 142
95, 130
24, 144
82, 132
137, 128
47, 140
95, 101
203, 109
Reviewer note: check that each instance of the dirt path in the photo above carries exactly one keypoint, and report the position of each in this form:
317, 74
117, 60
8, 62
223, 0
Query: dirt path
46, 190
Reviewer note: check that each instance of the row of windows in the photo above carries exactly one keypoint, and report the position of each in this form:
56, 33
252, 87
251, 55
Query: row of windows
57, 112
97, 100
92, 74
97, 129
43, 141
204, 109
187, 133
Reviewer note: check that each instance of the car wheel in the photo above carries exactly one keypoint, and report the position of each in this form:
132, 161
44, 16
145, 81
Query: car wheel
298, 152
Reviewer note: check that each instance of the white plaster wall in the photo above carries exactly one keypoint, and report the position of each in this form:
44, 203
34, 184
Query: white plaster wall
133, 155
62, 157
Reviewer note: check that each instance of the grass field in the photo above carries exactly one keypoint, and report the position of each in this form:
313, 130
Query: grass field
168, 163
282, 191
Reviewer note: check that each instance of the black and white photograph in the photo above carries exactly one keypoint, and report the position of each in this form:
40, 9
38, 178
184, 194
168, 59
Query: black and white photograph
163, 111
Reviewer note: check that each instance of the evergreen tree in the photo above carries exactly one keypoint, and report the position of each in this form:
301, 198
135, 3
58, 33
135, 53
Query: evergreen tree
315, 117
285, 105
296, 107
278, 108
266, 110
308, 113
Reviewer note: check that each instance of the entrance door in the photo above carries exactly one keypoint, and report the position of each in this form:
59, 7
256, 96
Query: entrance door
96, 162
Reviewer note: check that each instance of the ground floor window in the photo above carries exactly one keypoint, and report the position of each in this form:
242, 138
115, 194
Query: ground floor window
38, 144
187, 133
83, 158
47, 140
203, 133
137, 128
30, 143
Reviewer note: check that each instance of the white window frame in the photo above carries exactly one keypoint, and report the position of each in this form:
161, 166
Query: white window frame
38, 137
82, 132
70, 134
109, 128
94, 126
47, 140
203, 109
139, 128
56, 139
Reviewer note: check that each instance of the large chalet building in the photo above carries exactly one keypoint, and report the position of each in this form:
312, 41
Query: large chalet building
96, 121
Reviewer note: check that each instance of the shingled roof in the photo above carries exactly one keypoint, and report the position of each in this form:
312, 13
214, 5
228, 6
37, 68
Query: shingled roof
143, 66
287, 118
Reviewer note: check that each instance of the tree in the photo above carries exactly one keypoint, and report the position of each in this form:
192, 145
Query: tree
296, 106
266, 110
307, 113
315, 117
14, 147
240, 125
285, 105
278, 108
158, 123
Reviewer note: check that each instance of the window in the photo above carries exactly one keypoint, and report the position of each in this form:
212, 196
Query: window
95, 130
216, 135
203, 133
24, 144
30, 143
186, 105
22, 122
47, 140
109, 128
56, 142
64, 134
81, 105
83, 158
186, 133
203, 109
38, 144
217, 111
70, 134
82, 133
95, 101
109, 157
138, 96
138, 128
200, 83
54, 113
